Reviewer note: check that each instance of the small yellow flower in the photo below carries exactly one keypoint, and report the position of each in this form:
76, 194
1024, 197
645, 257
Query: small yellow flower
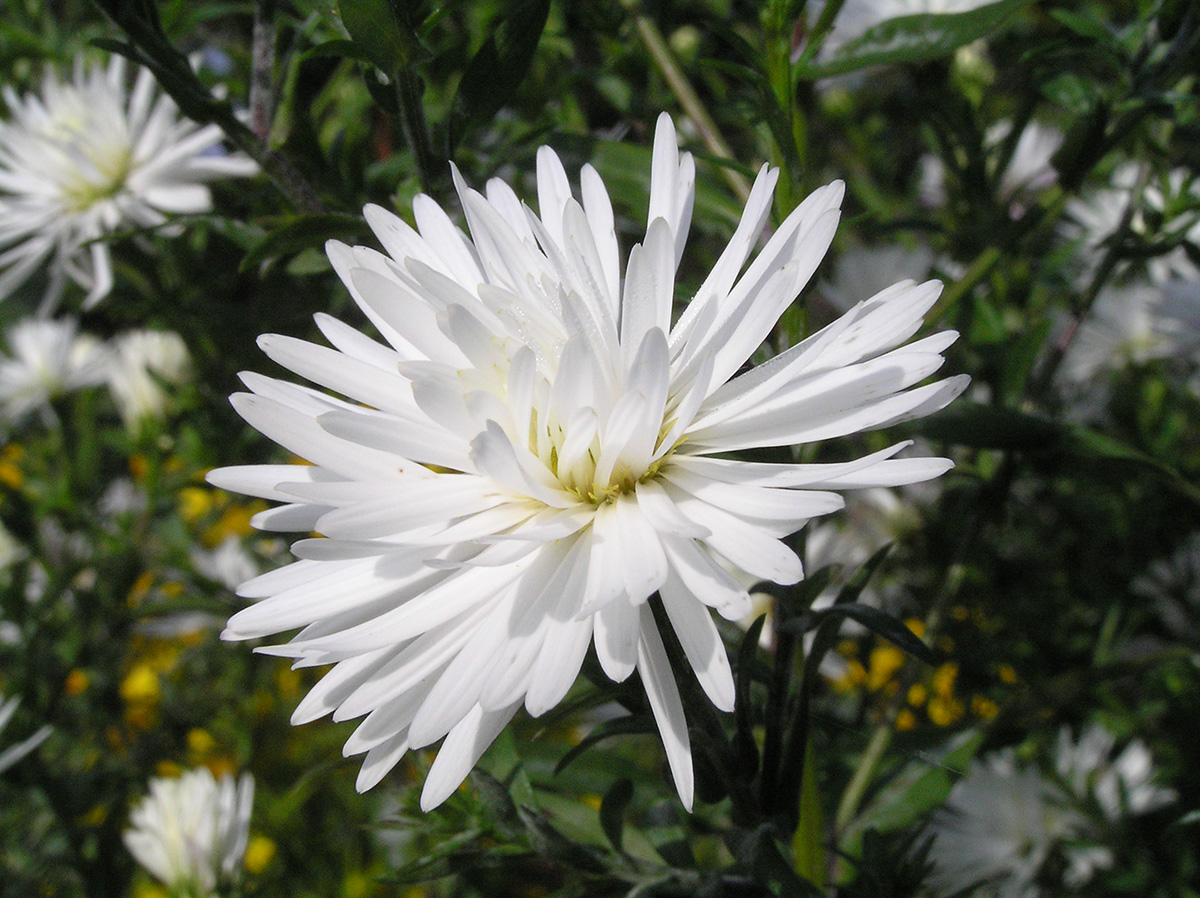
885, 660
141, 685
148, 889
854, 677
167, 769
917, 695
140, 589
260, 851
200, 742
944, 711
960, 612
592, 801
943, 680
916, 626
234, 521
905, 720
194, 502
984, 707
1007, 674
76, 683
10, 471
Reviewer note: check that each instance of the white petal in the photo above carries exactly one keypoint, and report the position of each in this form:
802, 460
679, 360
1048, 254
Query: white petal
660, 687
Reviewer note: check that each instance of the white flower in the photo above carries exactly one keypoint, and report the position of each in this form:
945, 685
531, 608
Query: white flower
536, 454
191, 831
85, 159
998, 827
140, 362
1119, 785
14, 753
229, 563
47, 359
1095, 217
1126, 326
1027, 171
866, 270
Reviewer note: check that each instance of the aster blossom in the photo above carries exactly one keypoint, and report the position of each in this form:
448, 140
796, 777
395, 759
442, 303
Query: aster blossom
191, 831
534, 452
88, 157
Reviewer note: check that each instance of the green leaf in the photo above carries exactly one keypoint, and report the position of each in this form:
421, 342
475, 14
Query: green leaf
500, 64
910, 39
639, 724
920, 785
377, 30
612, 812
878, 622
760, 854
808, 841
301, 233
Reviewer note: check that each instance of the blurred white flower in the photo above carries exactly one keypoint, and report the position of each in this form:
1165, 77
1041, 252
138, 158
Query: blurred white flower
14, 753
47, 359
191, 831
230, 564
997, 829
140, 364
1120, 786
87, 158
1028, 169
1126, 326
536, 455
866, 270
1173, 585
1093, 218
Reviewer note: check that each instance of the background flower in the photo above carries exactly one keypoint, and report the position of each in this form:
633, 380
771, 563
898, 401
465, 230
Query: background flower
86, 158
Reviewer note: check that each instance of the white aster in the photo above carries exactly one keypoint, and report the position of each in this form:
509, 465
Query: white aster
88, 157
141, 364
997, 829
1126, 326
46, 359
1120, 785
15, 752
535, 451
191, 831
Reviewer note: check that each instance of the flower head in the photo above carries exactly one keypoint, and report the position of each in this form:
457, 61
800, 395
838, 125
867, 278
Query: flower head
85, 159
191, 831
47, 359
537, 450
140, 362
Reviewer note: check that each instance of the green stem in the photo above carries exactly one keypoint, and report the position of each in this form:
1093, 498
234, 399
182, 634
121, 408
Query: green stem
686, 94
431, 170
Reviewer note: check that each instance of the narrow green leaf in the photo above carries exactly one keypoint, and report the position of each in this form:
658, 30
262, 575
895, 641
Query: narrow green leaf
500, 64
374, 26
639, 724
612, 812
880, 623
916, 38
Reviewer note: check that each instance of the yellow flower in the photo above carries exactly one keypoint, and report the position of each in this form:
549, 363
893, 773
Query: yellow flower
260, 851
854, 677
905, 720
984, 707
917, 695
200, 742
944, 711
167, 769
10, 472
141, 685
1007, 674
194, 503
943, 680
885, 660
916, 626
76, 683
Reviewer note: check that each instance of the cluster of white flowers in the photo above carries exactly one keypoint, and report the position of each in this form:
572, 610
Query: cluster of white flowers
534, 452
49, 358
191, 831
87, 158
1004, 820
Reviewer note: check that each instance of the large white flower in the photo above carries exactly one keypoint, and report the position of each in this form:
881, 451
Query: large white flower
191, 831
536, 450
87, 158
48, 358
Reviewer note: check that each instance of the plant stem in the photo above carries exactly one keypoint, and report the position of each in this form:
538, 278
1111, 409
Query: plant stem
686, 94
430, 169
262, 65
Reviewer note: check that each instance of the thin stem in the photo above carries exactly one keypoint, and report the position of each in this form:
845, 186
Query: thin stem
262, 66
686, 94
430, 168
